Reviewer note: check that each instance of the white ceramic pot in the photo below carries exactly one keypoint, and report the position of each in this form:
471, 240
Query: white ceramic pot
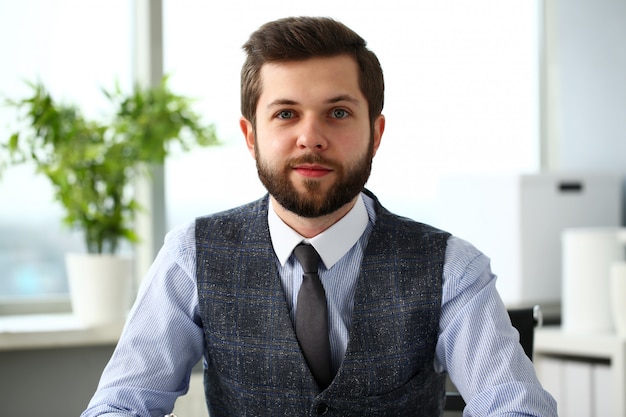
100, 287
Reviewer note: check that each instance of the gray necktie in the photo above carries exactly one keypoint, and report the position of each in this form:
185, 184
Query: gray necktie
312, 317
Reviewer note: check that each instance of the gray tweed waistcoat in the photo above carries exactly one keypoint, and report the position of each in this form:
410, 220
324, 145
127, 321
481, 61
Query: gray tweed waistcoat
254, 366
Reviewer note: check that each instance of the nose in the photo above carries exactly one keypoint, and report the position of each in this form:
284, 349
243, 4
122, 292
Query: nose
311, 135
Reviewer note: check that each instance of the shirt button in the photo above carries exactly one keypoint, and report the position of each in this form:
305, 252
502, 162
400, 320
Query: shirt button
321, 409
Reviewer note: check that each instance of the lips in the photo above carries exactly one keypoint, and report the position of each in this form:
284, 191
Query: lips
312, 170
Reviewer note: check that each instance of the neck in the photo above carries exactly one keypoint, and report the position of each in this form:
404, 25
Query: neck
311, 226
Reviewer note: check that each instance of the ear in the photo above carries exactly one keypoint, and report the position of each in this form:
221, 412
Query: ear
379, 128
248, 132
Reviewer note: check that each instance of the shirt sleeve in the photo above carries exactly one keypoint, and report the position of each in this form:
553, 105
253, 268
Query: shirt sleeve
478, 346
162, 340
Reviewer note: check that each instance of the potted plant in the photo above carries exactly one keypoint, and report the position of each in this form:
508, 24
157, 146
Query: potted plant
93, 166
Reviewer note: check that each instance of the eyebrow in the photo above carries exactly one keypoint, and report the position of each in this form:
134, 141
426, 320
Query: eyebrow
332, 100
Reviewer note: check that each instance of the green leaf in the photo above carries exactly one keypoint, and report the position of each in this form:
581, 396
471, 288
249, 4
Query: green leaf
13, 142
92, 164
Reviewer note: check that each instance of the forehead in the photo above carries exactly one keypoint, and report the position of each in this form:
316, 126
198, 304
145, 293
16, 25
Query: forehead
310, 77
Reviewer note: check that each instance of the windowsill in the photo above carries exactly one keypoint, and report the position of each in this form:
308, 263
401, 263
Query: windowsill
41, 331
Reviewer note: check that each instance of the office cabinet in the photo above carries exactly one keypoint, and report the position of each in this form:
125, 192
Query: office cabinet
585, 372
517, 220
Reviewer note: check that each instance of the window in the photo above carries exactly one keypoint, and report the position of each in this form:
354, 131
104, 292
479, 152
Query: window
75, 48
462, 93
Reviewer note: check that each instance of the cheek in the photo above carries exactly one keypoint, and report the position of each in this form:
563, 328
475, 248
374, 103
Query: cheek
354, 144
275, 144
269, 151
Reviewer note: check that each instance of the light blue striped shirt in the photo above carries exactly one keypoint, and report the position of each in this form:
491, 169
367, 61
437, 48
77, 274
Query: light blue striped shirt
163, 339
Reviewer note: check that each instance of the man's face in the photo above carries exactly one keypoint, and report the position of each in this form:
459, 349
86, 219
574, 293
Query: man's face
313, 144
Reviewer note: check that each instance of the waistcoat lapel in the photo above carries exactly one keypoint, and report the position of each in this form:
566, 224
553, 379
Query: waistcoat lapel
250, 341
389, 360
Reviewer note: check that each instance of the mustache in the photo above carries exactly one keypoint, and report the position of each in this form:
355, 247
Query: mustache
312, 158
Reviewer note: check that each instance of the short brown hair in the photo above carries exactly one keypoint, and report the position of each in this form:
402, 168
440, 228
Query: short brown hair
299, 38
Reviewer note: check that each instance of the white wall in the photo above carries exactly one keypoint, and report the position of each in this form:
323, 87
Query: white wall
586, 84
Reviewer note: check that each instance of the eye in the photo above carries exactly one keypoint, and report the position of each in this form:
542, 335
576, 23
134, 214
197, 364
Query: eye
339, 113
284, 114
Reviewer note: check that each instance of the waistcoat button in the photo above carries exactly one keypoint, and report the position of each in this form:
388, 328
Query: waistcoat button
321, 409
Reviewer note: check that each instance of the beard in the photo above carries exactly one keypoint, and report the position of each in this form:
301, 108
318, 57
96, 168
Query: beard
315, 202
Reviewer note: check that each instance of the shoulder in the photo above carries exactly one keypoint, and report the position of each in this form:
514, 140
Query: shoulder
237, 214
246, 223
396, 224
402, 236
465, 267
180, 242
182, 238
461, 255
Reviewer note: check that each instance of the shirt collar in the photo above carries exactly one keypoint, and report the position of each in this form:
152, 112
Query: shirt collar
332, 244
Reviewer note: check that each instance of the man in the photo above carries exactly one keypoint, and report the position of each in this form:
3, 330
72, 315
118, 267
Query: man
404, 303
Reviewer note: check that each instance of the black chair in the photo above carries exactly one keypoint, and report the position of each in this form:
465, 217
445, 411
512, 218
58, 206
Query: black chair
524, 320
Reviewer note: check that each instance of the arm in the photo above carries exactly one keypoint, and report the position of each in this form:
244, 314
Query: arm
478, 346
162, 339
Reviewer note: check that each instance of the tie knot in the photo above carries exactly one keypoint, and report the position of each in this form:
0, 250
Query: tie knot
308, 258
